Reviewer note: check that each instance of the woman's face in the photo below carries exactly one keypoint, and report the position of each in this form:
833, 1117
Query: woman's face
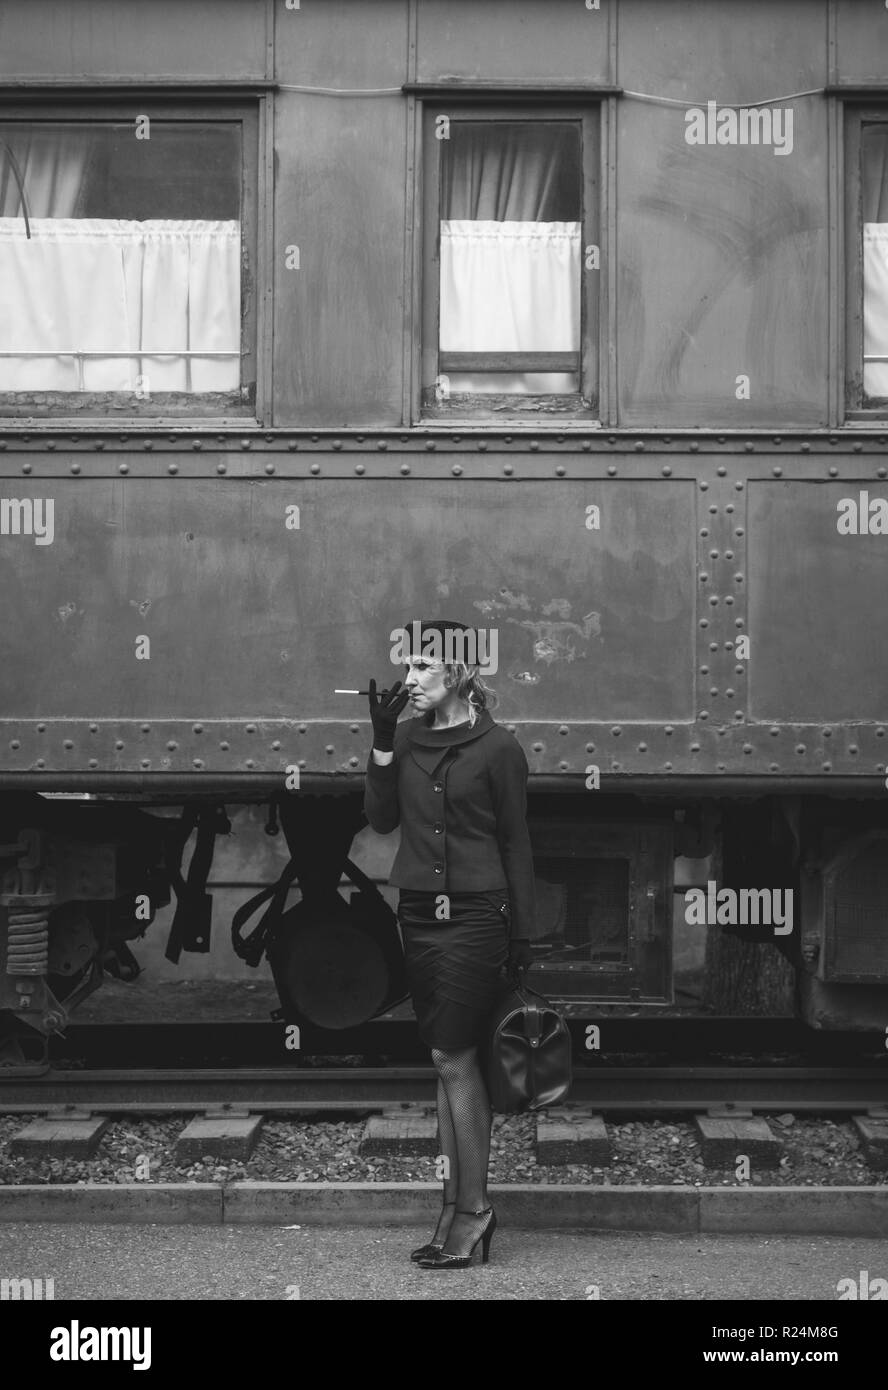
424, 681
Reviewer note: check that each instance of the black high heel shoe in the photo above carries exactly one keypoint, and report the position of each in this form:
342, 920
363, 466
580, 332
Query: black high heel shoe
430, 1247
440, 1260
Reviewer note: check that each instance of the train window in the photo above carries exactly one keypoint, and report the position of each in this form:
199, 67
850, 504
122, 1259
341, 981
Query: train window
867, 243
874, 190
510, 307
123, 243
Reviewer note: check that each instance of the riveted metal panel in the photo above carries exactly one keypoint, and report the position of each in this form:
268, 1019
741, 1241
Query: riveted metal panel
247, 616
818, 612
30, 445
379, 539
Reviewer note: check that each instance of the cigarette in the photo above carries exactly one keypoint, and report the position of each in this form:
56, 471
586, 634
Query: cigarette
351, 692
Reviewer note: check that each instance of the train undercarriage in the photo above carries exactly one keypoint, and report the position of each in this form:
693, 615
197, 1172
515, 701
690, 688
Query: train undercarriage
631, 891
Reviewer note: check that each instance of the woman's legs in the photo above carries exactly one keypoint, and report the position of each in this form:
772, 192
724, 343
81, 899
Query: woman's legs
447, 1151
470, 1115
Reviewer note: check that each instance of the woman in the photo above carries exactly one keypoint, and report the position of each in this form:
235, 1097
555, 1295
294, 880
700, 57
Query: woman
456, 782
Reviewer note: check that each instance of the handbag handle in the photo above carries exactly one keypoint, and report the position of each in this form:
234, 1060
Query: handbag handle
532, 1023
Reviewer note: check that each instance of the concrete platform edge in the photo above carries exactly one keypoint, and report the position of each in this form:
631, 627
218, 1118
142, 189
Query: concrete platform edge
859, 1211
193, 1204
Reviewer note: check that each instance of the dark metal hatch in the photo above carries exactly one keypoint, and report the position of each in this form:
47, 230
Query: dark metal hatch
604, 909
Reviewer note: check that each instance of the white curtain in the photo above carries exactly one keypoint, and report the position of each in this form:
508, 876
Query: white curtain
508, 171
510, 287
510, 248
152, 290
875, 306
51, 164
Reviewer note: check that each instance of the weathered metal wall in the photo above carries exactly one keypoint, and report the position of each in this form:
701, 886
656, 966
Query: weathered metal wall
817, 605
339, 197
503, 42
616, 643
722, 249
858, 37
252, 621
75, 40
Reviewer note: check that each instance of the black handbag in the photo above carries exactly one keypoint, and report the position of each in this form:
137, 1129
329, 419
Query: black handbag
527, 1059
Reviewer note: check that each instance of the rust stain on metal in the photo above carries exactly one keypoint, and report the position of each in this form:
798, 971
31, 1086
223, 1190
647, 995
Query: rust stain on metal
557, 637
557, 640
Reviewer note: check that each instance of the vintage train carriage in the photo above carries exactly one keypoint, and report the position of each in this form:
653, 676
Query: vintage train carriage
570, 320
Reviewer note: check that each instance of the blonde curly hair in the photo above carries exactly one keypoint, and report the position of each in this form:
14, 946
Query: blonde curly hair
470, 687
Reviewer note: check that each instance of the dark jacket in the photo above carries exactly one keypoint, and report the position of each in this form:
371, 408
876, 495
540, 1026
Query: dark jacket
460, 797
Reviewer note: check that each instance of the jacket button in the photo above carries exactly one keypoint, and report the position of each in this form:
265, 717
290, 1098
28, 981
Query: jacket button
438, 787
439, 829
439, 868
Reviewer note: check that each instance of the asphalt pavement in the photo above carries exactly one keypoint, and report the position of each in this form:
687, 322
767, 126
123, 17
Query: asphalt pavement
370, 1263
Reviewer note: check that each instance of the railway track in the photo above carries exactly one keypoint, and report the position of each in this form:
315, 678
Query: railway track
646, 1065
607, 1088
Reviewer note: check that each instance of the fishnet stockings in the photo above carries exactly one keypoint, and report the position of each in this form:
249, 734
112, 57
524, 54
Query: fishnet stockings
446, 1150
464, 1121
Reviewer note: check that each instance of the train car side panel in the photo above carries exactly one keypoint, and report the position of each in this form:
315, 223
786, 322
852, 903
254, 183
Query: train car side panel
211, 599
501, 42
721, 297
339, 217
861, 41
820, 637
220, 41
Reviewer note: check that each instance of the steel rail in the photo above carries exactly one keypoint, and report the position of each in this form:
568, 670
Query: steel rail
279, 1090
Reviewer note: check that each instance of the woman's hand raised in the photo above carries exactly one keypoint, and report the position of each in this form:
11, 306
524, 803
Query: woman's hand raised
384, 711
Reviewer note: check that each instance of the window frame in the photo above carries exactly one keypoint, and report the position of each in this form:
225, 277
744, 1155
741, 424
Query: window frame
90, 409
515, 409
854, 118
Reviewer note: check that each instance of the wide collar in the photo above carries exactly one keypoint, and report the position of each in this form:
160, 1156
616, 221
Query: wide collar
428, 748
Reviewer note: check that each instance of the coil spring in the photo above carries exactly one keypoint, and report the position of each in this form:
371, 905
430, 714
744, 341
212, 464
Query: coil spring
27, 940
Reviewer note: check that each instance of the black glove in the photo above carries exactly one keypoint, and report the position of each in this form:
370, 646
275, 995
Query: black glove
520, 955
384, 711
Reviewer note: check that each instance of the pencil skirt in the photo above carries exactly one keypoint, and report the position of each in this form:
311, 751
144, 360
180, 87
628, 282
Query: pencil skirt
455, 967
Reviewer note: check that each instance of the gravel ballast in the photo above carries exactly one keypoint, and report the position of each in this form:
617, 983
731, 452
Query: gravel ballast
817, 1153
